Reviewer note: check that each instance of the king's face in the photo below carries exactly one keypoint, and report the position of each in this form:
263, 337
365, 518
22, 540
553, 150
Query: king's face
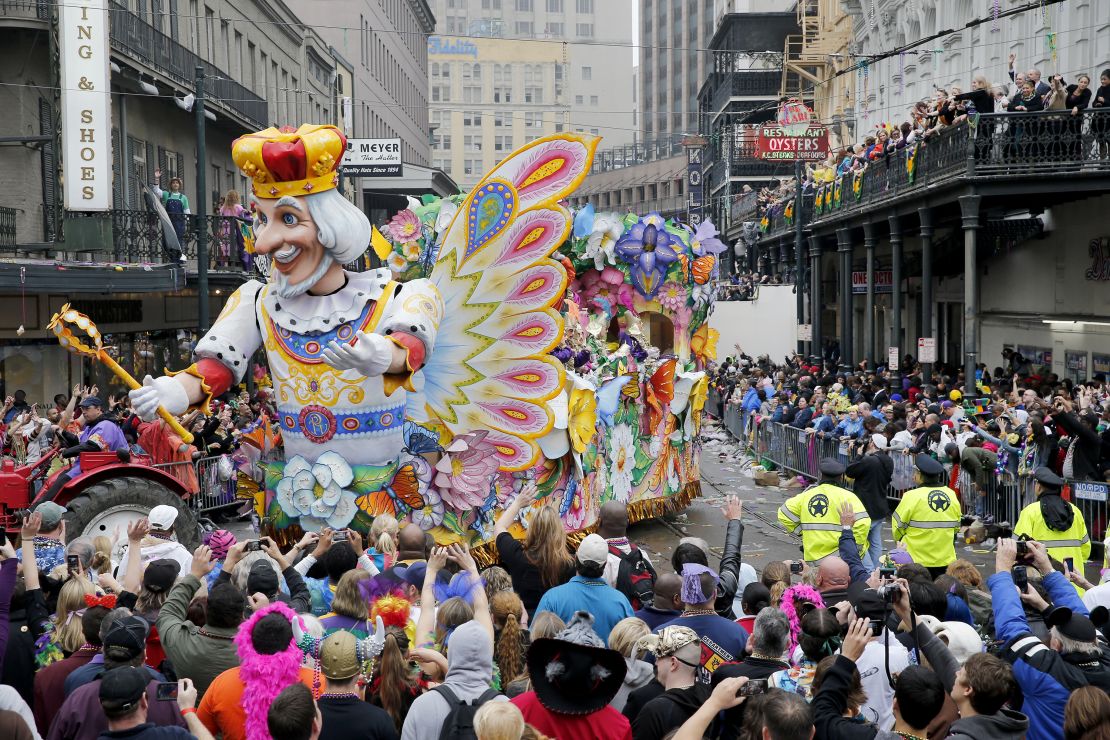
285, 232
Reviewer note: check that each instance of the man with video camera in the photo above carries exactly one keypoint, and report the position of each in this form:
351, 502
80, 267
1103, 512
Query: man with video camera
1047, 674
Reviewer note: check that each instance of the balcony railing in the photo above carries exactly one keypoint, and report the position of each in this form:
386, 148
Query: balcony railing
36, 9
746, 84
629, 155
140, 40
999, 145
7, 226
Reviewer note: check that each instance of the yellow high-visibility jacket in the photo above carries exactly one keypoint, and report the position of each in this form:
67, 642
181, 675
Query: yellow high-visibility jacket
815, 511
926, 522
1074, 543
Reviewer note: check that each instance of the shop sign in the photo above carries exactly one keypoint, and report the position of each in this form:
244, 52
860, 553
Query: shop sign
456, 47
926, 349
114, 313
86, 113
884, 281
372, 158
805, 142
694, 185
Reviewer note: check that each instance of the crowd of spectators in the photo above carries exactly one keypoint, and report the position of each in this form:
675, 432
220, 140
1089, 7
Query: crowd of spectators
744, 286
1024, 92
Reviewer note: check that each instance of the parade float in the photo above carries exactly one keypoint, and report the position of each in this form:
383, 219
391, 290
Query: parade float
506, 340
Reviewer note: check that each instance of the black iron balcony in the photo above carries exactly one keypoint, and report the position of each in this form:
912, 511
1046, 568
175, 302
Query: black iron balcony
629, 155
143, 42
7, 226
30, 9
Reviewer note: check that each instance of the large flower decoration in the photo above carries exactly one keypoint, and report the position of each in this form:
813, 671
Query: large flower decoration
318, 493
648, 248
396, 262
622, 461
672, 296
605, 289
464, 472
705, 240
405, 226
411, 251
602, 242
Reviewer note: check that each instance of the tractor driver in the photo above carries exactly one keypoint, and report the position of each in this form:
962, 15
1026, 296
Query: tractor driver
98, 434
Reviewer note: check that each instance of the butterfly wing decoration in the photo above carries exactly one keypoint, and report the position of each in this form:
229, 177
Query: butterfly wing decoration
419, 440
608, 398
399, 497
490, 368
703, 344
631, 390
703, 268
660, 391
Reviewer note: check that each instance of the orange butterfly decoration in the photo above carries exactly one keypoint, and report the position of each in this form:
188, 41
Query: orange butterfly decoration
703, 268
397, 497
685, 262
631, 390
660, 390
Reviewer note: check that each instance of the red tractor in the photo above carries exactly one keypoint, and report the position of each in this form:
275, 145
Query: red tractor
112, 490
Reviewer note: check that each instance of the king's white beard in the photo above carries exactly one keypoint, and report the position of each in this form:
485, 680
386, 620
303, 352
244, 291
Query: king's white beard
284, 289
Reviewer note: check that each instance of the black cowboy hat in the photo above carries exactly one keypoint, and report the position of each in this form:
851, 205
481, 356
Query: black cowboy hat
573, 672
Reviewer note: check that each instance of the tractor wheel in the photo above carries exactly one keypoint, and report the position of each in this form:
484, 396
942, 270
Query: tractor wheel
115, 502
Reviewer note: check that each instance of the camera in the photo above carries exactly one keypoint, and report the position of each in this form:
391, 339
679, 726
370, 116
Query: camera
796, 567
1021, 578
886, 573
890, 592
339, 536
877, 626
753, 687
73, 563
253, 546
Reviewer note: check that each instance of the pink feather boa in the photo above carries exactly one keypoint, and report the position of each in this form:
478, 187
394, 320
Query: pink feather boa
799, 592
264, 676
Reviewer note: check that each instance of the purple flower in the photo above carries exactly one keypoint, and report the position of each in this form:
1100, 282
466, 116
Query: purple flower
705, 240
648, 248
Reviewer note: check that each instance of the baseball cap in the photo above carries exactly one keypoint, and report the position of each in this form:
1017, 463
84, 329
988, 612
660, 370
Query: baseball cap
262, 578
593, 549
338, 656
162, 516
879, 440
160, 575
129, 633
92, 401
122, 688
51, 514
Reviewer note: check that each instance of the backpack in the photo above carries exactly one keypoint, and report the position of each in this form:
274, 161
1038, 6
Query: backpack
635, 577
459, 723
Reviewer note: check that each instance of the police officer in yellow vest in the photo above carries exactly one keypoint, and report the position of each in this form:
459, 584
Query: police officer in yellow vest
814, 511
1054, 522
927, 518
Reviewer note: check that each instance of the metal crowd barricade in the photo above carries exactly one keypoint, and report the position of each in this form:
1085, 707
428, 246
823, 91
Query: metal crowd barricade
217, 490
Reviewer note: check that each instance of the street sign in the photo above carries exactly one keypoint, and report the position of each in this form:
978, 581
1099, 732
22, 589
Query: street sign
373, 158
805, 332
884, 281
892, 357
926, 349
796, 142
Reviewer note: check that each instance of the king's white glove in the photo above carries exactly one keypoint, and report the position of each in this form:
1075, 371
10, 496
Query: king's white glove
165, 392
370, 355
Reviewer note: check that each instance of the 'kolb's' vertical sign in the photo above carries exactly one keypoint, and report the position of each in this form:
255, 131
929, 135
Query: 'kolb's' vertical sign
86, 105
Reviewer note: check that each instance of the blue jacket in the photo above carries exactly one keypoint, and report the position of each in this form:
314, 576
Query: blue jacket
849, 553
849, 428
593, 595
751, 401
1045, 676
823, 424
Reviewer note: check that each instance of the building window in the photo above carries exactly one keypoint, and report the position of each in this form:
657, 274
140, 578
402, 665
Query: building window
526, 6
587, 73
472, 143
585, 30
477, 72
554, 6
556, 30
533, 95
585, 6
533, 120
593, 100
525, 28
441, 141
579, 100
472, 94
472, 118
445, 70
472, 166
503, 95
499, 119
502, 143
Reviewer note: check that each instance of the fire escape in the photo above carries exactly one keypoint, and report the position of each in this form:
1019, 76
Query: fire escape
814, 55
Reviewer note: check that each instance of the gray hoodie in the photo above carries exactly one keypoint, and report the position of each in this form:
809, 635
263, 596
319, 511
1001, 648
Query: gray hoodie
1006, 725
639, 673
469, 675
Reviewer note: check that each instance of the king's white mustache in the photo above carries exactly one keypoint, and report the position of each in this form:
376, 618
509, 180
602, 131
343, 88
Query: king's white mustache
287, 254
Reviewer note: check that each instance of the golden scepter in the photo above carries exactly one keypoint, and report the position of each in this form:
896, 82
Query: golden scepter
60, 325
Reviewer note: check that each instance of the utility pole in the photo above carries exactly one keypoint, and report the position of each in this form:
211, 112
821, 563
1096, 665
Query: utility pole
201, 211
799, 251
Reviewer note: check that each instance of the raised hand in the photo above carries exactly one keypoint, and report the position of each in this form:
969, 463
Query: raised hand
370, 355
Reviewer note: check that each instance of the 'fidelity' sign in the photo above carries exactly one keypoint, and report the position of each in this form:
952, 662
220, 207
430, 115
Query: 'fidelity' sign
86, 109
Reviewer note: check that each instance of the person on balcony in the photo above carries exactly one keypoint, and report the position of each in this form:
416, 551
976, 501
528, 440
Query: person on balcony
980, 95
228, 236
176, 204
